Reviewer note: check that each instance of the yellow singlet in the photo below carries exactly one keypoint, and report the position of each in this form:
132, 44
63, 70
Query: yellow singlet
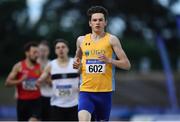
96, 76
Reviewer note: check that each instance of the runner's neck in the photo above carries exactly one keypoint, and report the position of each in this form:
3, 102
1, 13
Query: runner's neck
96, 36
64, 60
29, 64
42, 61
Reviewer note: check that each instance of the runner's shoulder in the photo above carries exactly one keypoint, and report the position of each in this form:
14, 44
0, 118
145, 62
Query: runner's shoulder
17, 66
51, 62
80, 38
113, 39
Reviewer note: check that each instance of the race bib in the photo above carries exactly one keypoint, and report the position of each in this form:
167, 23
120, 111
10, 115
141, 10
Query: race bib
95, 66
63, 90
29, 84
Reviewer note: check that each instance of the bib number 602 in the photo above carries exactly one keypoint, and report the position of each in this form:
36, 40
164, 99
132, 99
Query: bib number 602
95, 68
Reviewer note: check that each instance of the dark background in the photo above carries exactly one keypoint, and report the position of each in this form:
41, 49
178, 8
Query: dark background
143, 20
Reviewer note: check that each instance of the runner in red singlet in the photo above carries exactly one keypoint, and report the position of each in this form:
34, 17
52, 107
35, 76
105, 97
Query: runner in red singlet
24, 76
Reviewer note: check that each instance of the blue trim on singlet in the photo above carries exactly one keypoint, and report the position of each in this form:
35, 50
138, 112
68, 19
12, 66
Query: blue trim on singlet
113, 73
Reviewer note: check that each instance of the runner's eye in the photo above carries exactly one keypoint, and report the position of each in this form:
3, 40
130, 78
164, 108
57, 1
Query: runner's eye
100, 20
94, 20
57, 47
63, 47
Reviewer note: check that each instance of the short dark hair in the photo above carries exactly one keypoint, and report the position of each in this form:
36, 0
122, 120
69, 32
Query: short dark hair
44, 42
97, 9
61, 41
28, 45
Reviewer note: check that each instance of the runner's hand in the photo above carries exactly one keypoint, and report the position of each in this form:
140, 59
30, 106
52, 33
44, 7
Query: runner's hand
38, 82
76, 63
105, 59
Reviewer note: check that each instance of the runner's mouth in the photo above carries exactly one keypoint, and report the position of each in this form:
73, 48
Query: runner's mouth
97, 27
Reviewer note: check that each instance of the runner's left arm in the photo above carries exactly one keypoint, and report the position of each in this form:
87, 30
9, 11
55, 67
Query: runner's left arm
122, 61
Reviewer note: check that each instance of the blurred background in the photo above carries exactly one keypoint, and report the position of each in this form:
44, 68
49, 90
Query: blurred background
149, 31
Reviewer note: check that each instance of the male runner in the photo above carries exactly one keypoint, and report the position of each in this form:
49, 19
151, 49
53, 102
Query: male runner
97, 52
45, 88
65, 84
24, 76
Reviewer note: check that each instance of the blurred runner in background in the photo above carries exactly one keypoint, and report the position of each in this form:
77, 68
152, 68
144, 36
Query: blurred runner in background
46, 89
24, 75
65, 84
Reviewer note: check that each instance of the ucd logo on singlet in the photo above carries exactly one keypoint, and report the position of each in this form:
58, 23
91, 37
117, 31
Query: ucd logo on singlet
87, 52
94, 52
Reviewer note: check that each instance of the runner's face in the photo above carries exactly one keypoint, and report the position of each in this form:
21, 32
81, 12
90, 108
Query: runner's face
97, 22
32, 54
61, 50
43, 51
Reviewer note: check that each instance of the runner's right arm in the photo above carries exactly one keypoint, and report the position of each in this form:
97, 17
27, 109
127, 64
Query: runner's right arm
11, 79
78, 54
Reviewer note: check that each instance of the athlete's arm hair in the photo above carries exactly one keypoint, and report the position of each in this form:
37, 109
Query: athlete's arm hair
123, 61
45, 74
78, 48
11, 79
